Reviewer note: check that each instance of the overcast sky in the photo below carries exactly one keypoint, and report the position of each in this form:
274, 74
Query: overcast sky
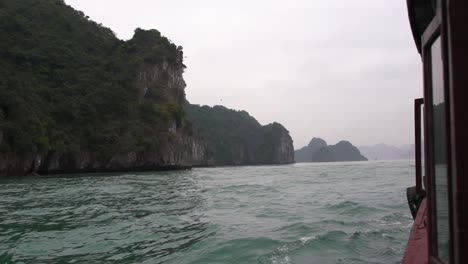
335, 69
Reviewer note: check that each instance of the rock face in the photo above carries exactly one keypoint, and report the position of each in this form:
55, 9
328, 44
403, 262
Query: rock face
179, 149
283, 152
236, 138
74, 98
307, 154
84, 101
319, 151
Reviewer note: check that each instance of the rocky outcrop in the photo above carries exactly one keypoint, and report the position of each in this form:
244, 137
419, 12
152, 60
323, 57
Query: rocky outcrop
27, 164
183, 152
201, 155
85, 101
307, 154
160, 86
165, 77
236, 138
175, 155
181, 149
283, 149
319, 151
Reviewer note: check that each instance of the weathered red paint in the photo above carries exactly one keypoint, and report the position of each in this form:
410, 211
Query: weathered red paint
417, 248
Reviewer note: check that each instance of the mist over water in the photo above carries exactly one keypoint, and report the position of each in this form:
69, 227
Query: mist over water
301, 213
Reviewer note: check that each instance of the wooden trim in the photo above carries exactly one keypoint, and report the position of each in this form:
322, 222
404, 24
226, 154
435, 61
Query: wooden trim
428, 151
455, 22
433, 30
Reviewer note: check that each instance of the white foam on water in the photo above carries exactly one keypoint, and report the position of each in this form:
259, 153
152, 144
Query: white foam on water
306, 239
285, 260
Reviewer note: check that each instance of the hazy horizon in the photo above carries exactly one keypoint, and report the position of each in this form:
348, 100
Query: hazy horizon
337, 70
360, 146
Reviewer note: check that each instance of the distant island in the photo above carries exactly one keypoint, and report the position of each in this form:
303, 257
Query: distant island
236, 138
75, 98
319, 151
388, 152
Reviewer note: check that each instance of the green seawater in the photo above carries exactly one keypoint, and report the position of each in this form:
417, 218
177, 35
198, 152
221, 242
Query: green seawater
303, 213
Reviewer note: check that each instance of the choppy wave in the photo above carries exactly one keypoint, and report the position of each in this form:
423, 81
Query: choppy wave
304, 213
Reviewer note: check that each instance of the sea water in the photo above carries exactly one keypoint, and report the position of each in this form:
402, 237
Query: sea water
350, 212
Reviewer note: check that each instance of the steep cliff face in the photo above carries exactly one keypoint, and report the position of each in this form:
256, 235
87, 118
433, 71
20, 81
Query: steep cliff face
74, 98
236, 138
319, 151
279, 144
166, 78
178, 149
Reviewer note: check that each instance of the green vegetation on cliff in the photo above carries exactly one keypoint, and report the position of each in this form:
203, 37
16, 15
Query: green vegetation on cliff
235, 137
75, 98
68, 84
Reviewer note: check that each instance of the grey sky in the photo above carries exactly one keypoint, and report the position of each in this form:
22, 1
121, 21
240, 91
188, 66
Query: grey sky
335, 69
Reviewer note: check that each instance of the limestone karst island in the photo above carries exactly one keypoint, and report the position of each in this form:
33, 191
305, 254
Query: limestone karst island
319, 151
74, 98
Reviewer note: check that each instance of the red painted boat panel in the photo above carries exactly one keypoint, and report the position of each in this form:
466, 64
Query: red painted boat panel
416, 251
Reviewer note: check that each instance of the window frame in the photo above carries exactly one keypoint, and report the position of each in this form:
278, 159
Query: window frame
419, 155
435, 30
